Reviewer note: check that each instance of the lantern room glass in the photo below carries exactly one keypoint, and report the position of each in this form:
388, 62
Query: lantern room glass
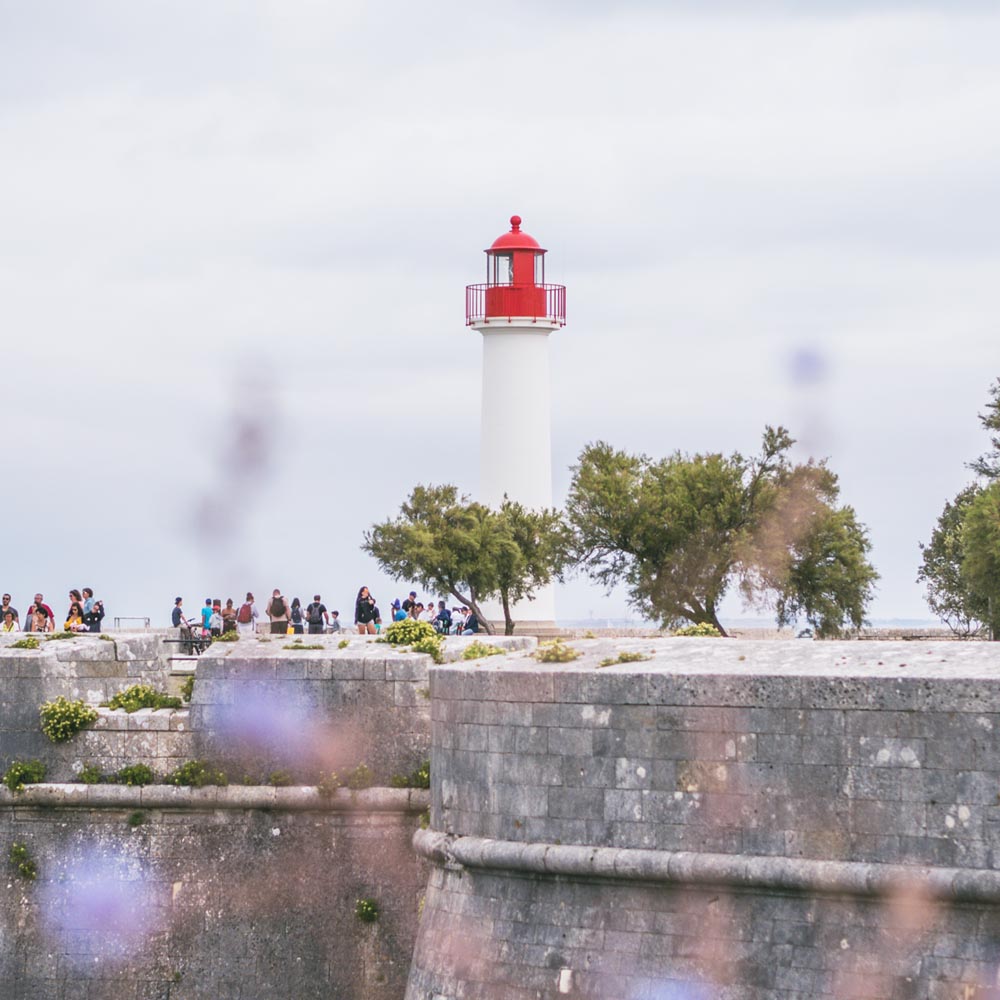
539, 269
501, 270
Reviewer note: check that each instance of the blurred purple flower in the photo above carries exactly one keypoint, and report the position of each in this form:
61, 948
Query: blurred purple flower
102, 905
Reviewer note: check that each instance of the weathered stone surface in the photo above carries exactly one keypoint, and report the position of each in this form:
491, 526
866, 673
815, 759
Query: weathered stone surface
742, 819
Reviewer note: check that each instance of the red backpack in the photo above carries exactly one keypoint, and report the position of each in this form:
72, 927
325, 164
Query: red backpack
244, 615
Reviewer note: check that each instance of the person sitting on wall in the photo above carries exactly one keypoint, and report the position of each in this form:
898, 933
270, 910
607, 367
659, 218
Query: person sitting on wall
93, 618
471, 623
74, 619
49, 617
6, 606
334, 624
41, 621
442, 620
9, 622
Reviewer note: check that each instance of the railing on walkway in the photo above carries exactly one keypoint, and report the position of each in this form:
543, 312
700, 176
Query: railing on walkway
132, 618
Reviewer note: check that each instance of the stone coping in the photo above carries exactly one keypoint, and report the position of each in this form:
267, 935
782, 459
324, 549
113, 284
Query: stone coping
293, 798
748, 658
778, 874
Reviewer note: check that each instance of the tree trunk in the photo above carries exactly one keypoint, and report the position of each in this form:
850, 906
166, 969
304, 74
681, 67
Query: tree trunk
508, 622
470, 603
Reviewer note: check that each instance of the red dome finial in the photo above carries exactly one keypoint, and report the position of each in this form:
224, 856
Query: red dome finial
515, 223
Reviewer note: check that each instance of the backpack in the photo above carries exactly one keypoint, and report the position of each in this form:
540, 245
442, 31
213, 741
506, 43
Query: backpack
315, 614
276, 607
297, 615
244, 615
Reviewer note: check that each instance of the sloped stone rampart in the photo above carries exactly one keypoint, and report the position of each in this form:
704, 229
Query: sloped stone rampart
244, 892
748, 820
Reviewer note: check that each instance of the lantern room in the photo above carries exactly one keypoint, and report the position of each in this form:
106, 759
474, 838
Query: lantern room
515, 285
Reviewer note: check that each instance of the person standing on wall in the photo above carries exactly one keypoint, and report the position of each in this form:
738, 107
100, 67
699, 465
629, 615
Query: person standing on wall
278, 612
296, 616
317, 616
364, 612
246, 617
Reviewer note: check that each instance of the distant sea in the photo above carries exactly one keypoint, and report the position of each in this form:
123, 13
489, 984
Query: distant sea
738, 623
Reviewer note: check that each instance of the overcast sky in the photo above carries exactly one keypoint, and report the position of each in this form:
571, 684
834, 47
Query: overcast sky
234, 239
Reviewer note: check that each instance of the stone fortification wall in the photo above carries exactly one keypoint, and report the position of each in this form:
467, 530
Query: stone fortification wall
85, 667
726, 818
180, 894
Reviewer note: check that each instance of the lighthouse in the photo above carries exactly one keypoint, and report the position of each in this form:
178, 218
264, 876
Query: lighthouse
515, 311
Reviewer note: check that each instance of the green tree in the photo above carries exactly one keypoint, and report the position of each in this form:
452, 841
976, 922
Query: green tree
988, 465
981, 552
535, 548
680, 531
451, 544
949, 596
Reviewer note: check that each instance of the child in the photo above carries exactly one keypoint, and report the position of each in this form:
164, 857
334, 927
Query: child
334, 624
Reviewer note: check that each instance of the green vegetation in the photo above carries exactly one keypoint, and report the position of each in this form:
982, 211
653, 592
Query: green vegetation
625, 657
453, 545
22, 861
227, 637
106, 638
196, 774
419, 778
299, 644
135, 774
679, 532
280, 778
961, 562
91, 774
366, 910
136, 818
143, 696
702, 630
52, 636
343, 644
187, 688
61, 719
477, 650
555, 651
23, 772
432, 645
328, 783
406, 632
361, 777
28, 642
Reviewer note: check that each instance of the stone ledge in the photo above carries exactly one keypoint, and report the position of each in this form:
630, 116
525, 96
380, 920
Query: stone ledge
288, 799
779, 874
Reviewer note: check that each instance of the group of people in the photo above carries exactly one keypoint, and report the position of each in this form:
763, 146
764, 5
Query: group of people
283, 615
85, 614
457, 621
292, 617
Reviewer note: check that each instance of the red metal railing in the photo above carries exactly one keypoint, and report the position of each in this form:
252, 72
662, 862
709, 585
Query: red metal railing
501, 303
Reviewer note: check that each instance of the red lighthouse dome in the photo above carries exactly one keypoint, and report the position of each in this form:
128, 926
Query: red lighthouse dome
515, 283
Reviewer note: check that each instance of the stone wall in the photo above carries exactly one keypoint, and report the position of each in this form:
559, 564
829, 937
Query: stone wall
726, 818
180, 894
85, 667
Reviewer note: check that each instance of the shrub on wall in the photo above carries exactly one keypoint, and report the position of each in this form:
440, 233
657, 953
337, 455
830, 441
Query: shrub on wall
702, 629
477, 650
196, 774
22, 860
366, 910
61, 719
430, 644
142, 696
555, 651
408, 631
28, 642
135, 774
23, 772
187, 688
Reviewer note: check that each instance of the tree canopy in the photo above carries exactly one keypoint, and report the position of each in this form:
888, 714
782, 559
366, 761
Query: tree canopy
451, 544
960, 561
679, 532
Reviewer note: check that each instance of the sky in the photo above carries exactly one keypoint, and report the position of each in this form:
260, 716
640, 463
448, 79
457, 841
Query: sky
235, 238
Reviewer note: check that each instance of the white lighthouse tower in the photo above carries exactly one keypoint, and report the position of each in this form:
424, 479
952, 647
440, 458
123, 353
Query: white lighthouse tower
515, 311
